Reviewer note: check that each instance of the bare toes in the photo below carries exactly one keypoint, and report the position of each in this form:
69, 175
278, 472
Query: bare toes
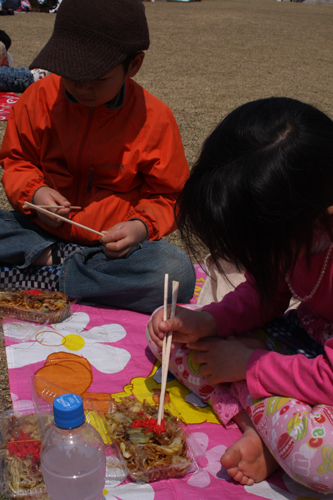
231, 458
239, 477
232, 472
246, 481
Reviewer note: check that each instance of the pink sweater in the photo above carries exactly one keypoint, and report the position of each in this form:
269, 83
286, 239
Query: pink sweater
269, 373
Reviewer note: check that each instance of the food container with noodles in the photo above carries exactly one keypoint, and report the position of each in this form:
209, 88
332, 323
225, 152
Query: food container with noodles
20, 468
152, 451
37, 306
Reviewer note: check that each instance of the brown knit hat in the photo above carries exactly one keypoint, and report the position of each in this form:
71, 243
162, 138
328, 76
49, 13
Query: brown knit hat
91, 37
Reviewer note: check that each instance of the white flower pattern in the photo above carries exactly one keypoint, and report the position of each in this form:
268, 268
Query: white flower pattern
130, 491
69, 335
208, 461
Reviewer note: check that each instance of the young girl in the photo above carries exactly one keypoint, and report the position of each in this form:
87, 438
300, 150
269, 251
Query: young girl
260, 197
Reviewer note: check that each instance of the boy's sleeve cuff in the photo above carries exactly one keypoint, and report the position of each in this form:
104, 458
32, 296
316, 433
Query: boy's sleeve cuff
33, 196
146, 226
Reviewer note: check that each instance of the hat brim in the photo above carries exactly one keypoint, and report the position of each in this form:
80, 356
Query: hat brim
71, 58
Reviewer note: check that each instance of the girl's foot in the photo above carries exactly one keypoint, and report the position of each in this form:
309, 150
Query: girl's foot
248, 460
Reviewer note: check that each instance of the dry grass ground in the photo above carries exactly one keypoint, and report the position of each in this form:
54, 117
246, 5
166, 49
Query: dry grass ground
208, 57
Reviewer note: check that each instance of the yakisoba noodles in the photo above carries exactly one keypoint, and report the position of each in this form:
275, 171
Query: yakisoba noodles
34, 305
151, 451
20, 454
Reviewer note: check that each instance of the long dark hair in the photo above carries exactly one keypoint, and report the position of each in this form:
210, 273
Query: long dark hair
261, 185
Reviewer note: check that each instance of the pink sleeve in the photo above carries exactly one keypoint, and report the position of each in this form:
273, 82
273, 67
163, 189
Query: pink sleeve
240, 310
296, 376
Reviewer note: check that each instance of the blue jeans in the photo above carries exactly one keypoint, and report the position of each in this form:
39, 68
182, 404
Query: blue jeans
15, 79
133, 282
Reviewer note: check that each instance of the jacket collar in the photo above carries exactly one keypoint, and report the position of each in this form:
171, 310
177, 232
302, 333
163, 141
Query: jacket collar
113, 105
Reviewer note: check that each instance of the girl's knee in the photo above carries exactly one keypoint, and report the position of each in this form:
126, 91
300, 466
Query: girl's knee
302, 444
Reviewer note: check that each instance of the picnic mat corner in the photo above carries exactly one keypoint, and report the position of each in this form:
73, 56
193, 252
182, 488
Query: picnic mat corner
114, 343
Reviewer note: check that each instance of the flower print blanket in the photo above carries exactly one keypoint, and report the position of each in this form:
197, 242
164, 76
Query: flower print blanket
114, 344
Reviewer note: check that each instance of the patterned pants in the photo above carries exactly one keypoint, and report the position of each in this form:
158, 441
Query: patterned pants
299, 436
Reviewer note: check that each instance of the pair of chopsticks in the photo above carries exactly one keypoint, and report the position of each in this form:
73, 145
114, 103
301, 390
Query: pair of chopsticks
167, 341
59, 206
40, 208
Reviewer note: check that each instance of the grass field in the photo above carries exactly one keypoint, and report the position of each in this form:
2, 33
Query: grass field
208, 57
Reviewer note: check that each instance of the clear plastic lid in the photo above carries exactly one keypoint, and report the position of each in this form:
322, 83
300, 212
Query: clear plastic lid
68, 411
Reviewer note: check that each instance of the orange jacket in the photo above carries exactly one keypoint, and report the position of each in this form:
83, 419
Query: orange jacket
117, 164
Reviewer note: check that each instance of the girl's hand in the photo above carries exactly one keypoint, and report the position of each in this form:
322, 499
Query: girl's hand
49, 196
222, 360
123, 237
186, 325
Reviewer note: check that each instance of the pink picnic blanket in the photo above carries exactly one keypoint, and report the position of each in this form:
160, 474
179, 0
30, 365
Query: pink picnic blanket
114, 342
7, 100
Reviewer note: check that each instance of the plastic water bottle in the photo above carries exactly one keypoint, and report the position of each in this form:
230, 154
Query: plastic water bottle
72, 454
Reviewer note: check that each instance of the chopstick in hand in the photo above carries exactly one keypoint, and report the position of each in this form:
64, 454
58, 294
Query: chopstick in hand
163, 375
165, 309
59, 206
166, 354
27, 204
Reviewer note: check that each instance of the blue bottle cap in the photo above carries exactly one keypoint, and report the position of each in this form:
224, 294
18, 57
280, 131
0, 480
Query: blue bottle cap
68, 411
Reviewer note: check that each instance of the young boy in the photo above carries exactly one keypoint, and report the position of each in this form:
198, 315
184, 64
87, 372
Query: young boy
88, 136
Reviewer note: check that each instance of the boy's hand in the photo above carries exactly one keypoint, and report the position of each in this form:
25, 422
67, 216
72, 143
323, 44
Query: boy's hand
49, 196
222, 360
123, 237
186, 325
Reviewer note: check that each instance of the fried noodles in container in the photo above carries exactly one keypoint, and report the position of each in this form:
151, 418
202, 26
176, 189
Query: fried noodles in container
37, 306
151, 451
31, 310
20, 470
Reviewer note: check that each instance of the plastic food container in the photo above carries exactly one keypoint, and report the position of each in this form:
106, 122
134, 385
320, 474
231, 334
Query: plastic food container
23, 302
151, 452
20, 470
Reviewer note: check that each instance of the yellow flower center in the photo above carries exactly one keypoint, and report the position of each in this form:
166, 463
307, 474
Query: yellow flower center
73, 342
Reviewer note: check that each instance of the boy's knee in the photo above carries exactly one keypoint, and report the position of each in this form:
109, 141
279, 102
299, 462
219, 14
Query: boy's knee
173, 261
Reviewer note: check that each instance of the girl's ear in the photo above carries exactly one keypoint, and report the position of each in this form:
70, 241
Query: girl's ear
330, 210
135, 64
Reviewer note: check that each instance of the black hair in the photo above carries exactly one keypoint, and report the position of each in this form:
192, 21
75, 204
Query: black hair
5, 39
260, 187
126, 63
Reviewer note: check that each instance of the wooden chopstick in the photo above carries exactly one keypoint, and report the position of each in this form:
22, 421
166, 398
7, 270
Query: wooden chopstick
59, 206
163, 375
165, 309
44, 211
166, 357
